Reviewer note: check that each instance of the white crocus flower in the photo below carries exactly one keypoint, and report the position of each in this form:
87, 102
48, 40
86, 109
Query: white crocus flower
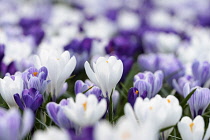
156, 113
123, 130
51, 133
59, 66
9, 86
106, 73
191, 129
85, 110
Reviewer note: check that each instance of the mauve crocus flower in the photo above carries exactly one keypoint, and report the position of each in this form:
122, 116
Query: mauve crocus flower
31, 98
37, 79
56, 113
201, 72
179, 84
51, 133
9, 86
12, 126
85, 133
199, 101
148, 84
168, 63
106, 73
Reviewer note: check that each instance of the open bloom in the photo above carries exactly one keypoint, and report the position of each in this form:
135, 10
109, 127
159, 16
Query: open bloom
9, 86
51, 133
31, 98
85, 110
191, 129
59, 66
148, 83
12, 126
106, 73
156, 113
36, 79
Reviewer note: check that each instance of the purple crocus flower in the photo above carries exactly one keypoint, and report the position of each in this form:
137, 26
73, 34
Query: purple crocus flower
56, 113
12, 126
168, 63
31, 98
179, 84
199, 101
201, 72
133, 93
85, 134
148, 84
34, 78
89, 87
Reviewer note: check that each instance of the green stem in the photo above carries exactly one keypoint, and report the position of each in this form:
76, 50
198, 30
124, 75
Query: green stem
111, 109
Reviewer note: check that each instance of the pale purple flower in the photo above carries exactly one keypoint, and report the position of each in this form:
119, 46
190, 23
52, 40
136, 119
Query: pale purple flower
148, 84
201, 72
34, 78
12, 126
55, 111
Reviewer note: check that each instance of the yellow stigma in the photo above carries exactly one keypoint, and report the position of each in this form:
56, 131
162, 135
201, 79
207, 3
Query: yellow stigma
150, 107
126, 135
35, 73
85, 106
191, 126
137, 92
107, 61
168, 100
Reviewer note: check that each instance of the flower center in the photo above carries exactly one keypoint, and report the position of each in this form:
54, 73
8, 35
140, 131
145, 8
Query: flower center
150, 107
35, 73
85, 106
126, 135
137, 92
168, 100
191, 126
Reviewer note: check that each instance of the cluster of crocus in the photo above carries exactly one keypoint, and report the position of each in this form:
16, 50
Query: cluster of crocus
104, 69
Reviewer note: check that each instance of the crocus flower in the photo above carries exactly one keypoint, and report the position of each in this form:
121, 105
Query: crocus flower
31, 98
191, 129
148, 84
106, 73
9, 86
125, 129
156, 113
199, 101
12, 126
56, 113
59, 66
85, 110
36, 79
201, 72
168, 63
51, 133
179, 84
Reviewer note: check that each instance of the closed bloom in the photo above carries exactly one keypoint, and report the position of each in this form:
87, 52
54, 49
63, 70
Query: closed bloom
37, 79
56, 113
13, 126
148, 83
9, 86
31, 98
51, 133
106, 73
199, 101
201, 72
191, 129
59, 66
85, 110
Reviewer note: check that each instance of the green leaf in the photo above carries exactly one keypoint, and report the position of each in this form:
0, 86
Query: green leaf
163, 129
87, 89
184, 102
